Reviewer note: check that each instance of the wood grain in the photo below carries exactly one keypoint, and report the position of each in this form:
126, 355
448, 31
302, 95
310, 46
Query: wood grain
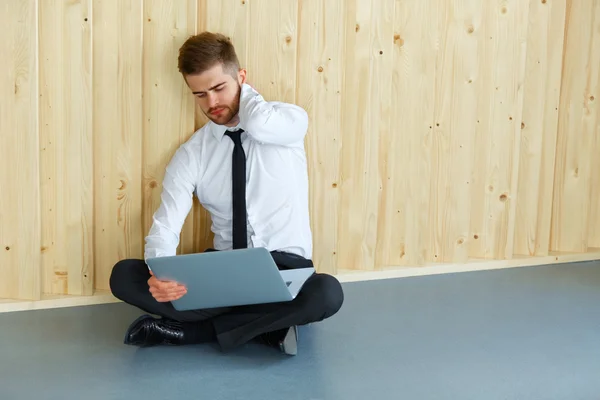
379, 119
66, 142
117, 134
19, 164
539, 126
405, 153
168, 106
458, 75
360, 181
272, 41
592, 111
576, 130
319, 88
501, 49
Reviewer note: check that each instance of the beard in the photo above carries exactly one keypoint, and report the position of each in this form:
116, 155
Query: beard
229, 111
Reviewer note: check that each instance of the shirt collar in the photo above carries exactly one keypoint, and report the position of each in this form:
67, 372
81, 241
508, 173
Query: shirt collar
218, 131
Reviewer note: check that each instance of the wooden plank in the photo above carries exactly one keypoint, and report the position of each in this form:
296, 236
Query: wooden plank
501, 55
271, 46
405, 154
592, 104
168, 106
539, 126
454, 130
380, 119
117, 134
19, 165
576, 130
319, 87
364, 112
66, 146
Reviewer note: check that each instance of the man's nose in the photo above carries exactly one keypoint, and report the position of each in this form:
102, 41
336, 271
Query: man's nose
213, 101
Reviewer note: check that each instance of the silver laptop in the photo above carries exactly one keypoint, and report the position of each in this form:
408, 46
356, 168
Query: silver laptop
229, 278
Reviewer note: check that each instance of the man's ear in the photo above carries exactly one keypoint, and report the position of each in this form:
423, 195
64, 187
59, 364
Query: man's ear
242, 76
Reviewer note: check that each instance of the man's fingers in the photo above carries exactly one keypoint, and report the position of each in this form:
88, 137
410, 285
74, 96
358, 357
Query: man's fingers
163, 285
175, 289
170, 288
172, 292
162, 299
167, 285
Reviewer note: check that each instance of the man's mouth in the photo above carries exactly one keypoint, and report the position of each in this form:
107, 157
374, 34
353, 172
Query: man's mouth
217, 111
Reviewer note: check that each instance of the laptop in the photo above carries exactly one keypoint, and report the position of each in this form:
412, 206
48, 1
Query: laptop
229, 278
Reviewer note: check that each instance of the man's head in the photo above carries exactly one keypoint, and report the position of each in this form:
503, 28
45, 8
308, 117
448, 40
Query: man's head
210, 67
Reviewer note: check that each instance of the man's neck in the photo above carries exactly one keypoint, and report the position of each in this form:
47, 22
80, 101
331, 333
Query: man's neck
234, 121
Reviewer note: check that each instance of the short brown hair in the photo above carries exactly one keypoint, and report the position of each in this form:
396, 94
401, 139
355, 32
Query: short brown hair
203, 51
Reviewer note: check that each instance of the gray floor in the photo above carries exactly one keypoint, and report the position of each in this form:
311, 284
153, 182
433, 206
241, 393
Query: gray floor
528, 333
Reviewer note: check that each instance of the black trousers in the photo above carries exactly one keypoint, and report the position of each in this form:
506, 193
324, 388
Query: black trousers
321, 297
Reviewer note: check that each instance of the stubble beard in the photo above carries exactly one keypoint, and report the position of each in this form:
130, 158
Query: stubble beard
230, 113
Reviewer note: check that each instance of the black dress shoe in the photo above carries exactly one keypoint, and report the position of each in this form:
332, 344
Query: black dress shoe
149, 331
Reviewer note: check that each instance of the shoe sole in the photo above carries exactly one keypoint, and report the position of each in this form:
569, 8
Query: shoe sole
290, 343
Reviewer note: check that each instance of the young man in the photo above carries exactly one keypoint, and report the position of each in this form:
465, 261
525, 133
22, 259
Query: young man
247, 166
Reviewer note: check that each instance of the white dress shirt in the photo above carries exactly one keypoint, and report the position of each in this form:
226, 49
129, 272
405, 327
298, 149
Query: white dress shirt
277, 199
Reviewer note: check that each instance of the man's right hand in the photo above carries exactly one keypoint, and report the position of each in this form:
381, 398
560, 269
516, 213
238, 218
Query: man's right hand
164, 291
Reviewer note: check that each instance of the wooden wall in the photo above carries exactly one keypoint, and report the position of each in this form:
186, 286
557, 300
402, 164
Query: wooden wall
441, 130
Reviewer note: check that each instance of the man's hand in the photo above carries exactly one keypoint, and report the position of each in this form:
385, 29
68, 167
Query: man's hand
164, 291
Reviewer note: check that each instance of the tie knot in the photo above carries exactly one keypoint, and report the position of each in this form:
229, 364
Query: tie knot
236, 136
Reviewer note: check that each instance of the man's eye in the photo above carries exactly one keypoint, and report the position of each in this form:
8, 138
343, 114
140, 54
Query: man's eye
219, 89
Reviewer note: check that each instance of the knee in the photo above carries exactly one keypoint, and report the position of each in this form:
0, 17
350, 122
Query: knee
116, 280
121, 277
330, 296
334, 296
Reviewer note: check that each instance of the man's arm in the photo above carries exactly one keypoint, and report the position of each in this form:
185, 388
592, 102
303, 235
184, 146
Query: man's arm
271, 122
176, 202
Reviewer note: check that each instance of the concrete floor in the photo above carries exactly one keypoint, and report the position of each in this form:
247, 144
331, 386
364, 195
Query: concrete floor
528, 333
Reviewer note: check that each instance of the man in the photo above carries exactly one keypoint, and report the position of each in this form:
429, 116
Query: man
247, 166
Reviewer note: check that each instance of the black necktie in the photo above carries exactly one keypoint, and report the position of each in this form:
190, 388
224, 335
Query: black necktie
238, 187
